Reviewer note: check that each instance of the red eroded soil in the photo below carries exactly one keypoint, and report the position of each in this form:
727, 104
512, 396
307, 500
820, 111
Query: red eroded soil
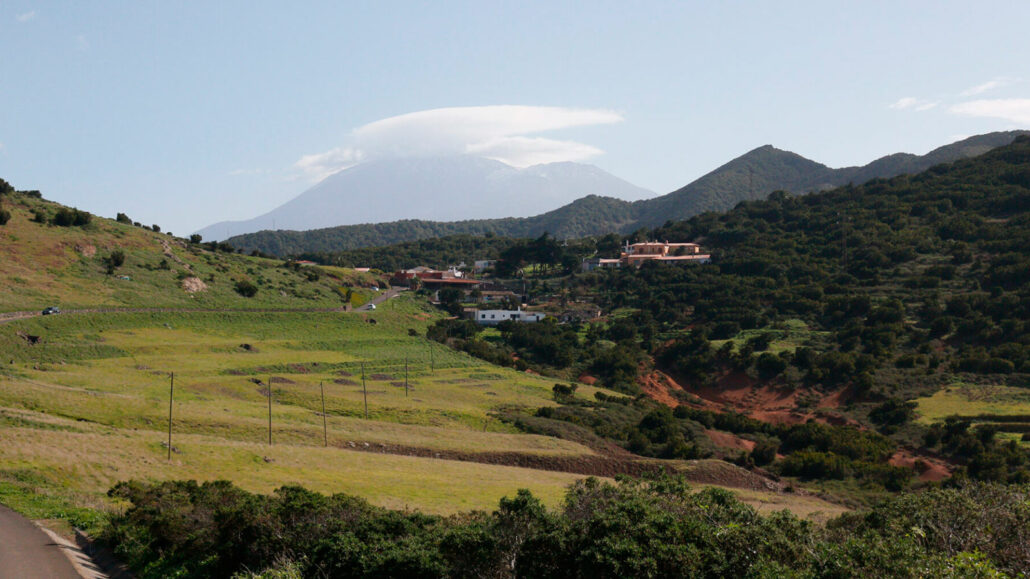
931, 469
727, 440
739, 392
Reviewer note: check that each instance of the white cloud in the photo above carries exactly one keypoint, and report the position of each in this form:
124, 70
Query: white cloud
81, 42
913, 103
320, 165
904, 103
26, 16
527, 151
987, 86
501, 132
1013, 110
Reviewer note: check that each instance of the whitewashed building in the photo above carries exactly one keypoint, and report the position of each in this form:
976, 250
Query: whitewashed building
494, 317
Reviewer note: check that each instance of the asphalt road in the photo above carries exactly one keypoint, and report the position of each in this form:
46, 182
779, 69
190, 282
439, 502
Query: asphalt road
27, 552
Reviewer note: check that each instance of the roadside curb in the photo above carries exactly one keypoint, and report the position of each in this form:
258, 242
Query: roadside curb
90, 560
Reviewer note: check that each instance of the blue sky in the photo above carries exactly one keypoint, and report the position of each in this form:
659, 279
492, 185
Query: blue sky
188, 113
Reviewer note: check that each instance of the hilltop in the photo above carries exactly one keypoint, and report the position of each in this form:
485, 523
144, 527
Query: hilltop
93, 262
753, 175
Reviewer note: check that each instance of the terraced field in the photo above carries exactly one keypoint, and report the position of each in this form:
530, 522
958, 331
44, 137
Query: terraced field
1004, 408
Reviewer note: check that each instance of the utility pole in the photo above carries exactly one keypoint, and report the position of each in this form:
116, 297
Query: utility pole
269, 410
171, 393
432, 360
325, 427
405, 376
364, 391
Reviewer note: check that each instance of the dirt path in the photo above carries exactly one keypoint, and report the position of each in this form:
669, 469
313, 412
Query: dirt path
11, 316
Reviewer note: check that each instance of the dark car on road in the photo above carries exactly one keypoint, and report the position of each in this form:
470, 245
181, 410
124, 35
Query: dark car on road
51, 310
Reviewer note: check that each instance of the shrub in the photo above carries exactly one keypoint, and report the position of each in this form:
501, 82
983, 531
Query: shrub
66, 217
5, 216
123, 218
246, 288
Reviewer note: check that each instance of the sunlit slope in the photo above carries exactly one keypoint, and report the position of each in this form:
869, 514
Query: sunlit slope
45, 264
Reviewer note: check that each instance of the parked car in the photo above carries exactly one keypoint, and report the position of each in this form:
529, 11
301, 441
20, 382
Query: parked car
51, 310
371, 306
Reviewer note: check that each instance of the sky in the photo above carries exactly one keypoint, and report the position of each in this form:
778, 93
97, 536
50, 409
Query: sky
187, 113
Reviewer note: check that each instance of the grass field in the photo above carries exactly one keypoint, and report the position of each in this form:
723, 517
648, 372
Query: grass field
87, 406
1002, 407
960, 399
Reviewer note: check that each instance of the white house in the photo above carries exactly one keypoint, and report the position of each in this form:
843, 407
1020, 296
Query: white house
494, 317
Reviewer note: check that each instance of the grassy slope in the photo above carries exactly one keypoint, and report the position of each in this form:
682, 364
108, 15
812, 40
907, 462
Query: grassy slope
87, 405
47, 265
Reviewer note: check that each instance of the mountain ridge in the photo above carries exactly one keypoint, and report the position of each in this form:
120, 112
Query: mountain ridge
753, 175
446, 188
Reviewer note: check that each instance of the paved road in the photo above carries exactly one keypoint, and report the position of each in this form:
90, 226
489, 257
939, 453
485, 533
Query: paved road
27, 552
380, 298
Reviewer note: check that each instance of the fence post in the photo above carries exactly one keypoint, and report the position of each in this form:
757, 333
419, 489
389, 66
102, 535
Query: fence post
364, 391
325, 427
171, 394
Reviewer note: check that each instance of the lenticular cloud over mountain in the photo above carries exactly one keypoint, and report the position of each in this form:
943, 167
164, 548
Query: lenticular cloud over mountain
506, 133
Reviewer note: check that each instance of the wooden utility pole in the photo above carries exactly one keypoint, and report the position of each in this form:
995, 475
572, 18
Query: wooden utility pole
364, 391
405, 376
432, 359
325, 427
269, 411
171, 393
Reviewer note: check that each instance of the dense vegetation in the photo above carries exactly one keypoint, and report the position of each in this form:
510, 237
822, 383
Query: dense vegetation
654, 527
751, 176
438, 253
884, 290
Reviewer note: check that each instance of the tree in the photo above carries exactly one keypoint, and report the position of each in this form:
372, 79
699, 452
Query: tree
196, 238
123, 218
115, 260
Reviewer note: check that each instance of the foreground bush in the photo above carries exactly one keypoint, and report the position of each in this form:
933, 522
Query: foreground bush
633, 528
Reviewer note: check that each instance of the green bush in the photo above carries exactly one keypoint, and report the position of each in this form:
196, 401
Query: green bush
246, 288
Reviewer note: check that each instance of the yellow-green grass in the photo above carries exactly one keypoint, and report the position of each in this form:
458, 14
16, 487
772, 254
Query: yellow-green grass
220, 387
802, 505
791, 335
85, 462
87, 407
972, 400
46, 265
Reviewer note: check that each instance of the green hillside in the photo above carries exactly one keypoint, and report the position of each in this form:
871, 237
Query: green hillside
407, 422
47, 264
752, 176
869, 338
